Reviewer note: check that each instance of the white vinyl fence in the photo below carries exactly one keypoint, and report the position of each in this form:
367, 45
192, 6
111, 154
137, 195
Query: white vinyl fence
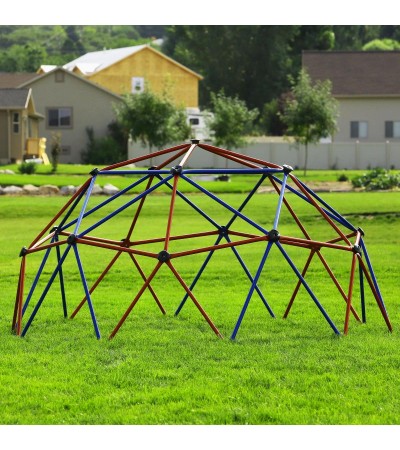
320, 156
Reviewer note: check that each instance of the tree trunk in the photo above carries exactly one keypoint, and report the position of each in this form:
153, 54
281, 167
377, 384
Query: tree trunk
305, 160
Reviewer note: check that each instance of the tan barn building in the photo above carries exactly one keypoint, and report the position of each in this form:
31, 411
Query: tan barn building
131, 69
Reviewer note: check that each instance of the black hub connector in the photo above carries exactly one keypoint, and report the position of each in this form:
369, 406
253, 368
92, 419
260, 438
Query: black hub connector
23, 251
361, 231
223, 231
356, 249
176, 170
71, 239
152, 168
94, 172
274, 236
194, 141
287, 169
163, 256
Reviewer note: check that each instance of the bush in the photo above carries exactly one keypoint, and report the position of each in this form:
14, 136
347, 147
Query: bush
27, 167
377, 179
103, 151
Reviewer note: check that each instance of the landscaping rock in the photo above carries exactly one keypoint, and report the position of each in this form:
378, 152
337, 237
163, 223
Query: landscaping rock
9, 172
13, 190
68, 190
30, 189
109, 189
97, 190
49, 189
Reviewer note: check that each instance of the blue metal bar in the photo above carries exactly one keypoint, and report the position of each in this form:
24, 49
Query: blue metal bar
88, 192
77, 200
304, 283
202, 268
194, 206
337, 218
225, 205
135, 172
108, 200
50, 282
61, 277
253, 285
260, 170
87, 293
371, 271
279, 206
36, 280
234, 249
362, 294
122, 208
336, 215
246, 200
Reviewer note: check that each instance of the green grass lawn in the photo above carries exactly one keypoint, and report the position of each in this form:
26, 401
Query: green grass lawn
77, 174
174, 370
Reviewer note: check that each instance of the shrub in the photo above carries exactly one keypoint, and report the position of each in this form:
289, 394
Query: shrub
27, 167
377, 179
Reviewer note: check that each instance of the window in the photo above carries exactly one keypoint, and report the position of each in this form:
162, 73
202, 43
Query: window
15, 122
59, 76
194, 121
358, 130
59, 117
137, 84
392, 129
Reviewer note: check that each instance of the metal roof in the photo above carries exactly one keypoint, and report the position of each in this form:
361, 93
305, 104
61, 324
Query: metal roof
95, 61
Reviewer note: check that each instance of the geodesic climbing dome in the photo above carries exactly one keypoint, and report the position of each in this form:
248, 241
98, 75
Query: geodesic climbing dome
79, 225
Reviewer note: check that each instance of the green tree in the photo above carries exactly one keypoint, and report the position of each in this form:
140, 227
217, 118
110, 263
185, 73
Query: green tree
248, 61
231, 121
382, 45
310, 112
151, 119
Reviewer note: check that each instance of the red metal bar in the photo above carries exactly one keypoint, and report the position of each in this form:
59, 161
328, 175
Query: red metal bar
217, 247
171, 212
350, 294
83, 187
147, 156
224, 152
44, 247
103, 274
190, 294
136, 216
17, 318
296, 289
375, 294
337, 284
150, 287
311, 244
322, 212
117, 248
173, 238
169, 160
135, 300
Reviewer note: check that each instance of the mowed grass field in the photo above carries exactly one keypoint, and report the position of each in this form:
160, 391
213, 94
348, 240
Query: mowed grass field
166, 369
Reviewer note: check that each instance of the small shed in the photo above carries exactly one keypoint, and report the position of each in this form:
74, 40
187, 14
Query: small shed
19, 126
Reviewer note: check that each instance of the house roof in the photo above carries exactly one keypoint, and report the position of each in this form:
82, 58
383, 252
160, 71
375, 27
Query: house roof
374, 73
14, 79
12, 98
93, 62
83, 80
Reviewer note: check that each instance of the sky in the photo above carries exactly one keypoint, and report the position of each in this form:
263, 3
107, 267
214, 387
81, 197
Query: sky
204, 12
